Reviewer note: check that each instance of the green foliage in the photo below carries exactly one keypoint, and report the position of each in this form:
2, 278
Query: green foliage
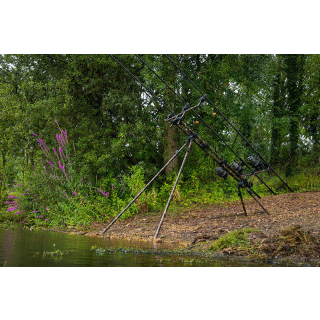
236, 238
121, 138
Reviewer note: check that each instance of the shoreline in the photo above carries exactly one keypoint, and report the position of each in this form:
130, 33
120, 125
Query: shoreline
290, 234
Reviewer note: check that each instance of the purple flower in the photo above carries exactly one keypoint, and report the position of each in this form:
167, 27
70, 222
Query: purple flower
11, 197
44, 151
50, 163
11, 209
74, 193
8, 202
35, 211
67, 196
22, 221
61, 152
112, 186
35, 134
87, 195
81, 179
22, 194
57, 123
46, 219
17, 212
47, 208
40, 217
7, 185
106, 194
58, 178
62, 167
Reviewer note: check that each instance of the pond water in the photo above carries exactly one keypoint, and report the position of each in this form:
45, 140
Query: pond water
38, 248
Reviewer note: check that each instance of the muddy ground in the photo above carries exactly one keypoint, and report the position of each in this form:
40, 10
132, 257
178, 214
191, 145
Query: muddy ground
198, 224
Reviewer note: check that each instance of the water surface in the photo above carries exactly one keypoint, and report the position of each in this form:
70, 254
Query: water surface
38, 248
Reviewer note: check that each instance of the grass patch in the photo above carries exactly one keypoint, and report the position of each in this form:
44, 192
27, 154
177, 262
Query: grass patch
236, 238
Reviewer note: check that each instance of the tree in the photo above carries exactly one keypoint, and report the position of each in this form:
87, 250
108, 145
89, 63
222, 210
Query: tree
311, 109
278, 112
294, 65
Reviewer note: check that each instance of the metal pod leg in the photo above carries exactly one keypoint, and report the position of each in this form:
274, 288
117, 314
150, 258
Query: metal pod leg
146, 186
250, 192
172, 192
240, 195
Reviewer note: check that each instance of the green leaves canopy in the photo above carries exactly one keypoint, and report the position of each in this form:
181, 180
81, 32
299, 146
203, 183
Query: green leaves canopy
114, 124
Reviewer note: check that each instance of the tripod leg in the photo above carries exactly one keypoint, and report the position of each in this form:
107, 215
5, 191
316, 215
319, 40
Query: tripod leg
171, 194
142, 190
255, 193
240, 195
250, 192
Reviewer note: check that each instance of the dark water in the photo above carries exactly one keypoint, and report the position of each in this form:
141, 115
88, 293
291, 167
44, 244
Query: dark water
38, 248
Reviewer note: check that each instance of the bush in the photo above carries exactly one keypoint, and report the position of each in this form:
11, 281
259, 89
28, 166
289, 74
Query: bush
56, 195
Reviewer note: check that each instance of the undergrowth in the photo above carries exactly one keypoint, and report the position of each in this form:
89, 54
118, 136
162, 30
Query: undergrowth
55, 195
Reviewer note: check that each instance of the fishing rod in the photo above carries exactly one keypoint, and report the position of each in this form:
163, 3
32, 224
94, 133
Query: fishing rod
149, 90
233, 151
210, 102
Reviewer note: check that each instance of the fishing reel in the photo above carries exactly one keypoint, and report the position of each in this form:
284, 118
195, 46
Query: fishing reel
222, 173
254, 162
237, 166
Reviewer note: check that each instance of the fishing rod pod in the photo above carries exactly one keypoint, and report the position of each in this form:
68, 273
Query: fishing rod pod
223, 116
224, 169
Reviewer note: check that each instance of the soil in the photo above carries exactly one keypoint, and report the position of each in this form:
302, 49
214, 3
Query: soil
291, 230
188, 225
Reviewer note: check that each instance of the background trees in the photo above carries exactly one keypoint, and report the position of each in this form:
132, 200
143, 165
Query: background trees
272, 99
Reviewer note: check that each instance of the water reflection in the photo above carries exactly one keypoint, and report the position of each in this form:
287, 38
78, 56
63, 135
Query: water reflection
49, 249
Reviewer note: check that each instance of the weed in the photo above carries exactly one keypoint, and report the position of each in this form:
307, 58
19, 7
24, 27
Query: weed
56, 254
236, 238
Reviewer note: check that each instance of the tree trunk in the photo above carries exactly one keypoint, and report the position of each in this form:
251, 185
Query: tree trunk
171, 134
170, 146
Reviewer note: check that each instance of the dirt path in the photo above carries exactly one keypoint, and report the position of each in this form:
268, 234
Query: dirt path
207, 223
